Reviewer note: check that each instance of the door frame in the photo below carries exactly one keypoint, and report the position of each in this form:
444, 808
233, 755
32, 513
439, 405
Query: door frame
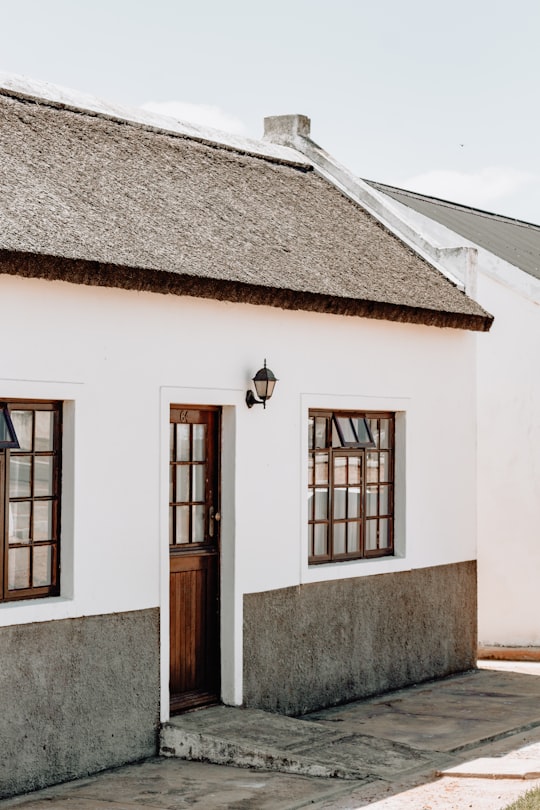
229, 401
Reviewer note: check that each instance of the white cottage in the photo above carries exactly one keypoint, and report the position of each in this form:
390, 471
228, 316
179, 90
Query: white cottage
164, 545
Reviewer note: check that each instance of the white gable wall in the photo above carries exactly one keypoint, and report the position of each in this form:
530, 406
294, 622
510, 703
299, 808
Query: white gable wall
120, 358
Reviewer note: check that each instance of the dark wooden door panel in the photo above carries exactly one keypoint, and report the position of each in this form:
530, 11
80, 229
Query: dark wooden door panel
194, 558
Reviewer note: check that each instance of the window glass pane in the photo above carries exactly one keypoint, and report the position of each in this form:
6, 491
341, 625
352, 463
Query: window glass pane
320, 432
320, 545
198, 524
384, 461
372, 468
171, 526
340, 470
340, 503
18, 568
354, 502
22, 422
19, 476
43, 475
321, 504
182, 483
353, 537
19, 522
44, 430
41, 573
354, 469
199, 442
182, 442
385, 443
371, 535
197, 493
384, 501
182, 524
339, 538
374, 427
42, 520
321, 468
384, 536
362, 431
371, 501
346, 431
311, 427
171, 441
310, 471
310, 501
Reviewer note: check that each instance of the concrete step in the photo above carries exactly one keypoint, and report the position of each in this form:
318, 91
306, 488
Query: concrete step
251, 738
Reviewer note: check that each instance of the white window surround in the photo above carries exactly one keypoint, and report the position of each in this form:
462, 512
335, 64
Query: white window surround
62, 606
363, 567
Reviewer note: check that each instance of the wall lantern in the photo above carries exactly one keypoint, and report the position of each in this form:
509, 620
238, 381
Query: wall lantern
8, 437
264, 382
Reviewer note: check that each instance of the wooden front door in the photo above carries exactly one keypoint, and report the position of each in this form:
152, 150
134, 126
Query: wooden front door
194, 557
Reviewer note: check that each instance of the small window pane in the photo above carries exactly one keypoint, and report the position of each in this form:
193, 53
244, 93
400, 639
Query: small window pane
18, 568
41, 573
340, 503
321, 468
171, 441
44, 431
199, 442
384, 501
171, 526
320, 432
353, 537
310, 471
374, 427
22, 422
19, 522
372, 501
19, 476
372, 468
354, 470
384, 464
198, 524
346, 430
310, 502
321, 504
339, 538
384, 535
182, 483
340, 470
42, 521
385, 443
43, 475
311, 427
354, 503
320, 545
182, 442
362, 431
198, 482
371, 535
182, 524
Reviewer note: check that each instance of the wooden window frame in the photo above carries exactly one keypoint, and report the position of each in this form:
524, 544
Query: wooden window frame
52, 542
364, 527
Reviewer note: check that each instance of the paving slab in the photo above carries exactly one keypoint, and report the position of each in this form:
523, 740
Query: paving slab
496, 768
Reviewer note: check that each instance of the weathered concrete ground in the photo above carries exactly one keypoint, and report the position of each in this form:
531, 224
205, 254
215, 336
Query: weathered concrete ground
390, 749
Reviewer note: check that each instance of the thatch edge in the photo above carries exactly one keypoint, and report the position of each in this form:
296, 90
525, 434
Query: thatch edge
96, 274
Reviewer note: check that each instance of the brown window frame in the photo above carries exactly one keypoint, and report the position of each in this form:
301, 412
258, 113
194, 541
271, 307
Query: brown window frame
35, 546
350, 488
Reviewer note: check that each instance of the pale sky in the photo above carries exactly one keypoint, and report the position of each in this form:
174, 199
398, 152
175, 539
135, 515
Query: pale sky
436, 96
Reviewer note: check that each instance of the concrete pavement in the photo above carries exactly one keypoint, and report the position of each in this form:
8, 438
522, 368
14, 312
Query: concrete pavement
386, 752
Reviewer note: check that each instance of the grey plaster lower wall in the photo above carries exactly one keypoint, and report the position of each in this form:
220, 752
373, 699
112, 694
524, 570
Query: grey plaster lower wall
322, 644
77, 696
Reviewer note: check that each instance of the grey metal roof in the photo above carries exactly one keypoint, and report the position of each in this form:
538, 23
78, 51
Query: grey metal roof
97, 200
514, 241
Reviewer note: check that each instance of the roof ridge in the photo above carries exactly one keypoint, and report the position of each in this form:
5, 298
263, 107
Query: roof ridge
452, 204
50, 95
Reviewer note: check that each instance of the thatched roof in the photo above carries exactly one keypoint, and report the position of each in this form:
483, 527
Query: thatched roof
91, 199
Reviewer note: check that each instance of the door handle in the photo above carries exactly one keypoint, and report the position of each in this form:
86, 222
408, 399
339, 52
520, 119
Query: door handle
213, 516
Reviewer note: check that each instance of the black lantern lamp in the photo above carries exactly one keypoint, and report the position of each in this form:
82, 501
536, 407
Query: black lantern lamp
8, 437
264, 381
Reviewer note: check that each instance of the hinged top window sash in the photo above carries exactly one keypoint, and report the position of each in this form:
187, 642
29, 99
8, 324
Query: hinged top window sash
8, 437
351, 431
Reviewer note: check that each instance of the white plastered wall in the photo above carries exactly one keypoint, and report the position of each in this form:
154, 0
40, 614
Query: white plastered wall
120, 358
